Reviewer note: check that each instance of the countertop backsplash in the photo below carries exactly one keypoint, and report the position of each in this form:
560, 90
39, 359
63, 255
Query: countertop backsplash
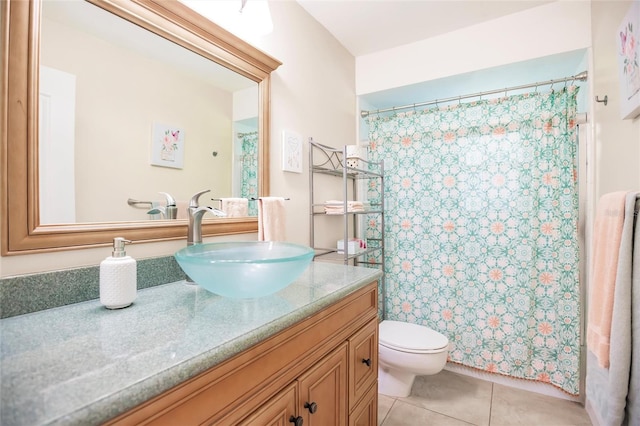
24, 294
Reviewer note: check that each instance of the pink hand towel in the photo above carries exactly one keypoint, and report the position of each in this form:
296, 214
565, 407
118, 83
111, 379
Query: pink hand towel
235, 207
607, 234
183, 207
271, 219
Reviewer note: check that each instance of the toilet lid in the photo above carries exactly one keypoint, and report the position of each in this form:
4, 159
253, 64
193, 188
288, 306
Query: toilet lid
404, 336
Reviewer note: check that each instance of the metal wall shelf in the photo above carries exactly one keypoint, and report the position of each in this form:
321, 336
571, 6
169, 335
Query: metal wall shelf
325, 160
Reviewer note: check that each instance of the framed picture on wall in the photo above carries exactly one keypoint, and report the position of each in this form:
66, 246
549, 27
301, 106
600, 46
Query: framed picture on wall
167, 146
291, 152
628, 47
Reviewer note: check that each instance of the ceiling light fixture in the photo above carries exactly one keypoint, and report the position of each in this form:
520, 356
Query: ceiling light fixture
251, 21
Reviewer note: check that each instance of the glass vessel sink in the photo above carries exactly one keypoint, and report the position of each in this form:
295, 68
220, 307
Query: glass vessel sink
244, 269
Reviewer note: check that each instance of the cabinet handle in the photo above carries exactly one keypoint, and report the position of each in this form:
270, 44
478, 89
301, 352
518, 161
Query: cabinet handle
297, 421
367, 361
312, 407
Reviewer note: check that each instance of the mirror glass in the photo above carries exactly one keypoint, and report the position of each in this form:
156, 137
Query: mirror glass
126, 115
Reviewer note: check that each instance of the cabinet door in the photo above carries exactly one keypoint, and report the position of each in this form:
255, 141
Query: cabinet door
278, 411
366, 412
363, 361
323, 391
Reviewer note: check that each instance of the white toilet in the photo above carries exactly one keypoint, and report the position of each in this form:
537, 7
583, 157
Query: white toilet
405, 351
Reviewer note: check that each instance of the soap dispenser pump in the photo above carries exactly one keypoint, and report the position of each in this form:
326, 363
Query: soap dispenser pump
118, 285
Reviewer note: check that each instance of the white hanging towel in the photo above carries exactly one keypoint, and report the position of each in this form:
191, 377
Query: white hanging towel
235, 207
271, 219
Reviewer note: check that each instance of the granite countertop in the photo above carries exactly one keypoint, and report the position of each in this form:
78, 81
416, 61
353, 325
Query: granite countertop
84, 364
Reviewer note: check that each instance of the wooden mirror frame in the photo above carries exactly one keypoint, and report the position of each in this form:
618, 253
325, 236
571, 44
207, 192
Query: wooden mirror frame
21, 229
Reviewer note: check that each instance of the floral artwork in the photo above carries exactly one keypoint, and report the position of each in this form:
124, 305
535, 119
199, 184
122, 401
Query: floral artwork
291, 152
167, 148
481, 235
629, 62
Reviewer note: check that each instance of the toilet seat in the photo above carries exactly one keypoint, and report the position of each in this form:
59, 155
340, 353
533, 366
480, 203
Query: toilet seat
412, 338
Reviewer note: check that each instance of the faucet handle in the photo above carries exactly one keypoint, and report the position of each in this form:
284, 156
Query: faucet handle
194, 200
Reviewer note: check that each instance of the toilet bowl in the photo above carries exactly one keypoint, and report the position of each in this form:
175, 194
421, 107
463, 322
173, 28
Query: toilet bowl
405, 351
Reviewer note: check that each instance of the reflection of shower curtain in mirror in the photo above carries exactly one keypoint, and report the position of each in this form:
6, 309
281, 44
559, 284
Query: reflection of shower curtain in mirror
481, 230
249, 184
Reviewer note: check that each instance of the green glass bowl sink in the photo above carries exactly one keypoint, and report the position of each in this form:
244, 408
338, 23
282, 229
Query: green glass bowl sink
244, 269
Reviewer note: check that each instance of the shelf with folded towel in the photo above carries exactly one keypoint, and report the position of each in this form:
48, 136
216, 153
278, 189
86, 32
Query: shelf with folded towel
332, 254
352, 173
337, 208
350, 166
318, 209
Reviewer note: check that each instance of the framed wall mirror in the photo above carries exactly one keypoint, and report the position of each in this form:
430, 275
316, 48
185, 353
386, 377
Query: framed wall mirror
110, 105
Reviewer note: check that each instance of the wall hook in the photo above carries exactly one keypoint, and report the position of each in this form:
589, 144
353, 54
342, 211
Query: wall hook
605, 100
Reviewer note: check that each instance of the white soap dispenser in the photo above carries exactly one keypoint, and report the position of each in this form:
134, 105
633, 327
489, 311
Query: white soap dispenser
118, 285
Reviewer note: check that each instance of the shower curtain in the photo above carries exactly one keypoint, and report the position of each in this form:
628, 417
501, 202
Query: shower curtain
481, 230
249, 182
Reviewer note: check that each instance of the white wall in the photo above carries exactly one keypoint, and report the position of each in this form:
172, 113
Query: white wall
617, 141
313, 94
546, 30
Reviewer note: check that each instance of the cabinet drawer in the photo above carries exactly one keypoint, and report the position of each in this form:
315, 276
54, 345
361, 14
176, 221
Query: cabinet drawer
363, 361
366, 412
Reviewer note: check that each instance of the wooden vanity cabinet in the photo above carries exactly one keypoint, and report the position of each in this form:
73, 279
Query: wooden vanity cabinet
323, 391
279, 410
311, 373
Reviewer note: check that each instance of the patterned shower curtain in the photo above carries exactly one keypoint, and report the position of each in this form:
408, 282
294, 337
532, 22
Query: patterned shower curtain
249, 183
481, 230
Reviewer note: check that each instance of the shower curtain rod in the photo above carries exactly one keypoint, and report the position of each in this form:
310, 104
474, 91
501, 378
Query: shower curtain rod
581, 77
242, 135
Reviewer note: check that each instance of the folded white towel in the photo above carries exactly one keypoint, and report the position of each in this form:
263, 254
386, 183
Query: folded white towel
271, 219
337, 206
235, 207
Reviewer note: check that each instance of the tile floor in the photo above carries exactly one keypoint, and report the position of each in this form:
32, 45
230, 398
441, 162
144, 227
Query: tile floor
451, 399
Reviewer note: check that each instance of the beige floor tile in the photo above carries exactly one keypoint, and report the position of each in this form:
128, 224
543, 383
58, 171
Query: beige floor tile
404, 414
454, 395
384, 406
513, 407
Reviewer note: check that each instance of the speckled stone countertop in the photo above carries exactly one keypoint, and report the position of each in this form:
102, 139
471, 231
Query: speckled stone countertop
84, 364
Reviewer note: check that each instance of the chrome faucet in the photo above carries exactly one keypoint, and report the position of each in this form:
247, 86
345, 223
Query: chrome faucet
168, 212
195, 213
171, 211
